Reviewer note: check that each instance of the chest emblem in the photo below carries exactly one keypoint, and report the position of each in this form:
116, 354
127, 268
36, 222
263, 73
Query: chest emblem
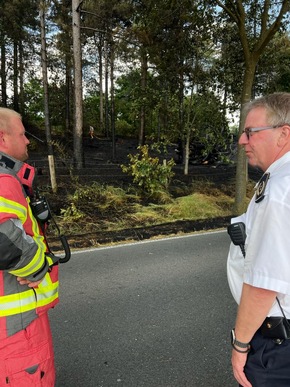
261, 186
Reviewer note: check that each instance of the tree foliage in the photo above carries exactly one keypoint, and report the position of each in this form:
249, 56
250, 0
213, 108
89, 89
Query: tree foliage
150, 69
257, 23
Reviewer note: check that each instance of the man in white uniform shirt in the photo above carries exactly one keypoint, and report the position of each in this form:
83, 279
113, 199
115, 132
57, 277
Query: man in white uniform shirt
260, 279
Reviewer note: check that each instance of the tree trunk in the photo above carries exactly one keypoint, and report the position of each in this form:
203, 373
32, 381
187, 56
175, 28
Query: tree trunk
3, 75
144, 69
242, 169
112, 60
189, 125
106, 89
68, 88
101, 111
187, 151
21, 79
46, 96
78, 123
15, 77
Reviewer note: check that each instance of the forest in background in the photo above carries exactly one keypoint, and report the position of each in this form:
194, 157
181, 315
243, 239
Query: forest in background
160, 72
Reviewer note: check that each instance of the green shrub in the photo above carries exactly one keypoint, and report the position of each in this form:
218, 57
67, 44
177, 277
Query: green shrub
151, 176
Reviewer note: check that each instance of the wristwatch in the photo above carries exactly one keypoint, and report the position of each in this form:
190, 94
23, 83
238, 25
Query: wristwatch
235, 343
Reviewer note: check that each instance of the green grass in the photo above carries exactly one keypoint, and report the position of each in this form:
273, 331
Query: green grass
192, 207
98, 207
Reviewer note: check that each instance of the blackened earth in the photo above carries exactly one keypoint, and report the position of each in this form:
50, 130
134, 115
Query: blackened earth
142, 233
102, 164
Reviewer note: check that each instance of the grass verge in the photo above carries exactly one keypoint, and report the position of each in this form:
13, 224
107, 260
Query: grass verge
96, 207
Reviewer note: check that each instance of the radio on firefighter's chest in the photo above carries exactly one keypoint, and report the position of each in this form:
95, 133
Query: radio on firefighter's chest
40, 209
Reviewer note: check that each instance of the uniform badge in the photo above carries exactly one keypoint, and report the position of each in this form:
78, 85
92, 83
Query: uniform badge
261, 186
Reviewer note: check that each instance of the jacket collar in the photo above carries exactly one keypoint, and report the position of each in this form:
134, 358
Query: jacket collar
23, 171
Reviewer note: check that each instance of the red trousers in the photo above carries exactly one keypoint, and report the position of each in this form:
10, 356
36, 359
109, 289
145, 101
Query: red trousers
26, 358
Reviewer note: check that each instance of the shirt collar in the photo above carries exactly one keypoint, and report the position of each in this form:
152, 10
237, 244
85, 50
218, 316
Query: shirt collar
279, 163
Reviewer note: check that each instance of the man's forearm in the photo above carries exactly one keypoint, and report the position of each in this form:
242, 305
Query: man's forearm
253, 309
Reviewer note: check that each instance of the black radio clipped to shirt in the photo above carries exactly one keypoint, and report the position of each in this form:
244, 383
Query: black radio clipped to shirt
237, 233
41, 211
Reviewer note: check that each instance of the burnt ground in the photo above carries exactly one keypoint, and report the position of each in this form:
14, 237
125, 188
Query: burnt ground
103, 165
142, 233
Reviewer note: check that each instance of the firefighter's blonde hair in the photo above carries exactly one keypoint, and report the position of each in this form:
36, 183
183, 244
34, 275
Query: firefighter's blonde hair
5, 117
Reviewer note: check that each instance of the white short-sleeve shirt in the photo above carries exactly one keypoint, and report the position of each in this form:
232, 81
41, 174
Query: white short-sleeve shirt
267, 245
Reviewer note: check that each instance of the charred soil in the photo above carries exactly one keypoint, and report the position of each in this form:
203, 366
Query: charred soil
100, 166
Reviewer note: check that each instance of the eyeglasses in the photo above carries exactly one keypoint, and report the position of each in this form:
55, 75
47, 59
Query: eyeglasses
247, 131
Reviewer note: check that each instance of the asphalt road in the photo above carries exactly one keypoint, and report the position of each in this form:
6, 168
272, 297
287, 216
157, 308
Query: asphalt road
150, 314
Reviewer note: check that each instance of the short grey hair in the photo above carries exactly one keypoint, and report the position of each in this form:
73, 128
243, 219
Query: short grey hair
277, 106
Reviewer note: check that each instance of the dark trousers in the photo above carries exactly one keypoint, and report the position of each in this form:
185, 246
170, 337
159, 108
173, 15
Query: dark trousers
268, 363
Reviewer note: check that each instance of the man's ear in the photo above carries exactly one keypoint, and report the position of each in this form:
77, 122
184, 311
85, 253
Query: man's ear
284, 135
2, 140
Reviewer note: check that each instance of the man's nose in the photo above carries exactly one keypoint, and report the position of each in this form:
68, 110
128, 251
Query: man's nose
243, 139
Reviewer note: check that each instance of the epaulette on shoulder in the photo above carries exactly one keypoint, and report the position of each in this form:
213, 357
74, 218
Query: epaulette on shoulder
261, 187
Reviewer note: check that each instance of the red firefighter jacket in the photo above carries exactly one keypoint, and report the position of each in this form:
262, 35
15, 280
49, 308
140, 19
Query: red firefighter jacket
22, 251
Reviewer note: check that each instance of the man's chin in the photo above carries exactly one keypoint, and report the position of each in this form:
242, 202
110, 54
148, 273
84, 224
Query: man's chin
24, 157
251, 161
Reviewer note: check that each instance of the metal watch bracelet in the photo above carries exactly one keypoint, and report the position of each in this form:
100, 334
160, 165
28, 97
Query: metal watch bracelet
236, 342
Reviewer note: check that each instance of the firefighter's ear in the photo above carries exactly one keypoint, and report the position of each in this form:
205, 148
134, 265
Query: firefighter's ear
2, 138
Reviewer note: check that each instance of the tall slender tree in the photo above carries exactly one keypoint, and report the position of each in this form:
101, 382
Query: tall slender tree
78, 87
18, 23
43, 6
62, 17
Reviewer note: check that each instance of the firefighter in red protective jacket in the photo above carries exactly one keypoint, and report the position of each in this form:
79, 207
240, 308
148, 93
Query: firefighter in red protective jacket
28, 277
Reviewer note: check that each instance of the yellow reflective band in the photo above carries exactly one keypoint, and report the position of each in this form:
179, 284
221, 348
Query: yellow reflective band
34, 265
35, 225
10, 207
45, 282
28, 300
38, 260
19, 303
46, 296
49, 260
